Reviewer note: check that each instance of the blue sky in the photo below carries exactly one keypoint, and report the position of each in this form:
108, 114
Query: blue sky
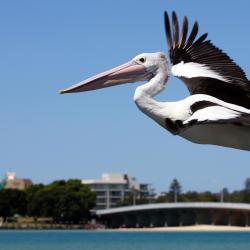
47, 45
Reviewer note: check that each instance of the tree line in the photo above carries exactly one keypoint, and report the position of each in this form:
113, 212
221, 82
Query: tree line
175, 194
71, 201
63, 201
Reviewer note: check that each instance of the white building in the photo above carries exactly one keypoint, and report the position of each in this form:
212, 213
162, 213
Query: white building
12, 182
114, 188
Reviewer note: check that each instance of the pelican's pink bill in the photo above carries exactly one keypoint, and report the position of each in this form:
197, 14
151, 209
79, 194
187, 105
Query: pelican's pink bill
125, 73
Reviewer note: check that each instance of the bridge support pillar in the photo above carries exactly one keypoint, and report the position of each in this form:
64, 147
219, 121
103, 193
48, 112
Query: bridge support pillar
180, 218
212, 217
229, 218
247, 220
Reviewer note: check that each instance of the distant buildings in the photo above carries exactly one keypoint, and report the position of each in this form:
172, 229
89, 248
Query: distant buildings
113, 189
11, 182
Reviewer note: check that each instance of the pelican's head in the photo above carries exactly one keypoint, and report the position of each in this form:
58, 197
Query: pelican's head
141, 68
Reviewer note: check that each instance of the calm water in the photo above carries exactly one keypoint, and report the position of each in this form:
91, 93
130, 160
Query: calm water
76, 240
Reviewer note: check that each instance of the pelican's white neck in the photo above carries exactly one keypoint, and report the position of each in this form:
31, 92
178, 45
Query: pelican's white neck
144, 94
153, 87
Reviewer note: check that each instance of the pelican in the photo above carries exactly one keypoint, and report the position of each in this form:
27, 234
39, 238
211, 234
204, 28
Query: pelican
204, 68
199, 118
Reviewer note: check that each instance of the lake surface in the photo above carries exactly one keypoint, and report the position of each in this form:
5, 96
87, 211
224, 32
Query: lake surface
82, 240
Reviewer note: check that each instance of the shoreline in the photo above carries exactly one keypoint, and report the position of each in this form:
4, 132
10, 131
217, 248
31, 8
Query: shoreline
193, 228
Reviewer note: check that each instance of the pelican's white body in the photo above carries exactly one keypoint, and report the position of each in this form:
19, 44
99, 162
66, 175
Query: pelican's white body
223, 134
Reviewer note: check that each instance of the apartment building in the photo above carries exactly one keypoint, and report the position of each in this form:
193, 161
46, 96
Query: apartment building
113, 188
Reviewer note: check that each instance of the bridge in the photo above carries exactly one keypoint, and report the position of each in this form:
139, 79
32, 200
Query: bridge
176, 214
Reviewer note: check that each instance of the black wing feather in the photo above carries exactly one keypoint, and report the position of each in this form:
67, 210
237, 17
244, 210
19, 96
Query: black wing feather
168, 32
200, 51
243, 119
235, 88
175, 29
192, 36
184, 32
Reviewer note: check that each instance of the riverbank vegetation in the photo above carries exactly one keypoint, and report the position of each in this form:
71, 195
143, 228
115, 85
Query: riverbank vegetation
63, 202
175, 194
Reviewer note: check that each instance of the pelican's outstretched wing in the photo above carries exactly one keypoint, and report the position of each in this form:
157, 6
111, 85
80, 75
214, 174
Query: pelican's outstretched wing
212, 123
204, 68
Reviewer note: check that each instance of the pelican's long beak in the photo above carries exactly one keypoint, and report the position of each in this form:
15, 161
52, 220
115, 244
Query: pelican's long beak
125, 73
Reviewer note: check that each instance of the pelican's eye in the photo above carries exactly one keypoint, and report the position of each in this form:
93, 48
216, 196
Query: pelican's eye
142, 59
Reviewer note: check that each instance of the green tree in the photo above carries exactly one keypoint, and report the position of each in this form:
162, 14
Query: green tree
12, 201
246, 191
162, 198
208, 197
174, 190
247, 185
75, 203
225, 195
64, 201
191, 196
34, 200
